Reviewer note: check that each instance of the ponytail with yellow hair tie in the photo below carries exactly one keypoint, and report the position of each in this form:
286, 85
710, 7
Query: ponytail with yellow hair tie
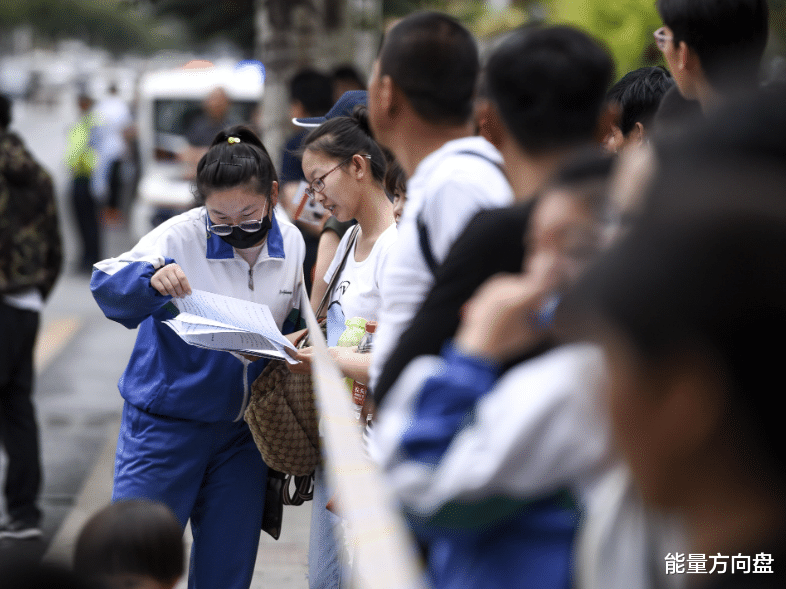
232, 140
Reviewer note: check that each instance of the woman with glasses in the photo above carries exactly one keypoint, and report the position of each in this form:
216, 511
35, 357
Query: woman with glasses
183, 440
346, 171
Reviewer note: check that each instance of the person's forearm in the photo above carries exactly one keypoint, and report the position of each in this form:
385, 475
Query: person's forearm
351, 363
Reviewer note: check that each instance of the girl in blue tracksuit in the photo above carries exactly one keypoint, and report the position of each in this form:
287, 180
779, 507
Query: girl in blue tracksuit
183, 440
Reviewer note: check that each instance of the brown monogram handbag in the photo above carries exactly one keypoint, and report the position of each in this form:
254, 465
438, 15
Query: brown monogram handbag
282, 413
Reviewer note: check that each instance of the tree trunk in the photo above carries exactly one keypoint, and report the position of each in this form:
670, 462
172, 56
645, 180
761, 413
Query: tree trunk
292, 34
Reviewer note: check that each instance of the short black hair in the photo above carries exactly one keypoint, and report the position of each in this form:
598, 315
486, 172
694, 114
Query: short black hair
585, 175
638, 93
549, 86
349, 73
313, 89
22, 572
134, 536
244, 160
395, 178
343, 137
5, 111
434, 60
729, 36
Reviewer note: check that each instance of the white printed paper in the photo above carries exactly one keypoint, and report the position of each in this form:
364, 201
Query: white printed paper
224, 323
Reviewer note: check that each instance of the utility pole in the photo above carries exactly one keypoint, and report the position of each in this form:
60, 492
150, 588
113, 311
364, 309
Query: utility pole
292, 34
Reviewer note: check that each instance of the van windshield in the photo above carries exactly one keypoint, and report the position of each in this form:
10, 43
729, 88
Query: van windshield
172, 118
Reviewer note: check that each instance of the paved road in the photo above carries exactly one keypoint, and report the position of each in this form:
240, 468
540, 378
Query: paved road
80, 357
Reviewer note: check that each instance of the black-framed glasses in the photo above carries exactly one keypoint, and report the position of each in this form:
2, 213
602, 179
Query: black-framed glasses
318, 184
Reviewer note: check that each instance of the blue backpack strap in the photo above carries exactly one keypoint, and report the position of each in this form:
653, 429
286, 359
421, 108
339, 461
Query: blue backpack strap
425, 242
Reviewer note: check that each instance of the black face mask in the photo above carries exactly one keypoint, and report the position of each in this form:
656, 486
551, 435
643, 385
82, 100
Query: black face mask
243, 239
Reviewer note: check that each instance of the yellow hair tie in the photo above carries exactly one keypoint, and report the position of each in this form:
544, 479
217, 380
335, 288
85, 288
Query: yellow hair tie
231, 140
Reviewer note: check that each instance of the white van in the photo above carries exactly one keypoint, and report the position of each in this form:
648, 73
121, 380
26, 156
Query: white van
168, 101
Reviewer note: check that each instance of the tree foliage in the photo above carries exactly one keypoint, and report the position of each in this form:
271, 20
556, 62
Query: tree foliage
624, 26
232, 20
117, 26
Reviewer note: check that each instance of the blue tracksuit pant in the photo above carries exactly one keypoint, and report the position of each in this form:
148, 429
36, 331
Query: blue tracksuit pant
211, 473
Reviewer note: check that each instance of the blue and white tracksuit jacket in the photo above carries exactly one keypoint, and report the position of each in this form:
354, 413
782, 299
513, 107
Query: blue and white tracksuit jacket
182, 439
495, 473
166, 376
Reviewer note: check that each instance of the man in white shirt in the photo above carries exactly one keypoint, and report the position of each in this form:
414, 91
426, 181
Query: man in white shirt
420, 105
114, 118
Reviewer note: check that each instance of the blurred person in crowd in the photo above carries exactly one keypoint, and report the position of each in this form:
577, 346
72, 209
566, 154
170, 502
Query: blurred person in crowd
497, 472
421, 97
214, 118
32, 255
713, 49
81, 158
113, 117
637, 95
182, 439
310, 95
346, 170
131, 544
332, 229
396, 185
545, 92
25, 574
346, 78
685, 308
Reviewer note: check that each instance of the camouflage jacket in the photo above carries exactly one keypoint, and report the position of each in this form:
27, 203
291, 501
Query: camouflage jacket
31, 250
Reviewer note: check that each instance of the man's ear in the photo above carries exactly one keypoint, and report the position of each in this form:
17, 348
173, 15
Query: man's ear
636, 135
490, 125
388, 95
686, 57
606, 121
693, 403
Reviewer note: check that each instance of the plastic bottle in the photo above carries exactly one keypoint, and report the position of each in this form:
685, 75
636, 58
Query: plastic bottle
353, 333
359, 390
364, 347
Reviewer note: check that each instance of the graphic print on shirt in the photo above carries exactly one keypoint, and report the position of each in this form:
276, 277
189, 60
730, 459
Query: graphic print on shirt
335, 315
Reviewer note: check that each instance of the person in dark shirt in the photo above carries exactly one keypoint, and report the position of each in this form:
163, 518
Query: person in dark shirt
32, 255
200, 134
311, 95
536, 127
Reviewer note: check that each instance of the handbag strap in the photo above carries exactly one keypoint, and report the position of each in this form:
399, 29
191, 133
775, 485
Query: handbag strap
336, 274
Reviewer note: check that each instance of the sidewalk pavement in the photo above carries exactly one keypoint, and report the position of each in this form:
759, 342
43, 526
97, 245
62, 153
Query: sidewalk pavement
280, 563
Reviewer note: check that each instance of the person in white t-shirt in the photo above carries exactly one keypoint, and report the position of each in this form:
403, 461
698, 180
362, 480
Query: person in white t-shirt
346, 169
421, 98
114, 118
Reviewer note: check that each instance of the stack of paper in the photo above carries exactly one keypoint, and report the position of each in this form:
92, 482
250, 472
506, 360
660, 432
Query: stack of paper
227, 324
